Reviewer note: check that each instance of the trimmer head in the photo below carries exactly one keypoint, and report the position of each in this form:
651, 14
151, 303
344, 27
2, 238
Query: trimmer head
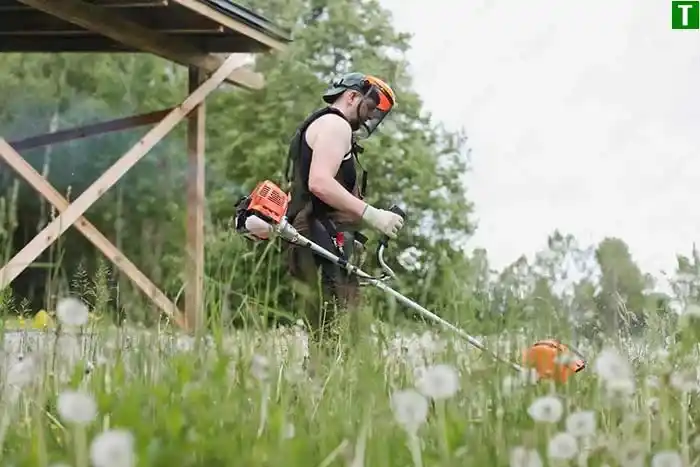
553, 360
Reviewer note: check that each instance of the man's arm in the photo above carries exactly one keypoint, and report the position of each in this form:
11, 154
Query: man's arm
330, 138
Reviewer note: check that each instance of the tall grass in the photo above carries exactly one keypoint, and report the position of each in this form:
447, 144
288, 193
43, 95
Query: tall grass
88, 392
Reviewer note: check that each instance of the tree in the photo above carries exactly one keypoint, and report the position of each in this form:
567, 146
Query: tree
621, 300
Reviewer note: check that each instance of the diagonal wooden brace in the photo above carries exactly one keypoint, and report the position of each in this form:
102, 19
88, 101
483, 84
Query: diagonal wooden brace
40, 184
82, 203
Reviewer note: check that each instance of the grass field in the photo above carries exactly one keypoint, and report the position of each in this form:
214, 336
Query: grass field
126, 397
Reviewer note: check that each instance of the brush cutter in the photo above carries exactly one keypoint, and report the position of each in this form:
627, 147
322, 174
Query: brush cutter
262, 214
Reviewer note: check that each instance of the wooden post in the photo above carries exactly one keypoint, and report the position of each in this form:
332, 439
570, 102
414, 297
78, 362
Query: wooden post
82, 203
194, 291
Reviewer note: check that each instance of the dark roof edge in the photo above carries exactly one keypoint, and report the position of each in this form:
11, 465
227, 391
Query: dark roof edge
250, 18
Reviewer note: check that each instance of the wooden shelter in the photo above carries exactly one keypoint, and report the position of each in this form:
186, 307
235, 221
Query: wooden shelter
193, 33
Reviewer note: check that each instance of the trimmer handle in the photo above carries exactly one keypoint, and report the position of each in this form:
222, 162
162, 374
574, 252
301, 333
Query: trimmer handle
384, 240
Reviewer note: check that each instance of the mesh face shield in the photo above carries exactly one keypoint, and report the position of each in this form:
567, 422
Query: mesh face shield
381, 100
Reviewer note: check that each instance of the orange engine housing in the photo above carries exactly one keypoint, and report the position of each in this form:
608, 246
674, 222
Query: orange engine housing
269, 202
553, 360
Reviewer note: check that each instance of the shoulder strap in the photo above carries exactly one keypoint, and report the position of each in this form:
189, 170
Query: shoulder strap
357, 150
299, 136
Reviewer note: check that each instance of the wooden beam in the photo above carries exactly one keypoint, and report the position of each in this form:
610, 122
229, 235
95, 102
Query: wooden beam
39, 183
209, 12
99, 44
6, 6
82, 203
194, 291
110, 24
90, 130
163, 21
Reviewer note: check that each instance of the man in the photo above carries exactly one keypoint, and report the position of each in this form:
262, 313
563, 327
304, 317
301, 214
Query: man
327, 191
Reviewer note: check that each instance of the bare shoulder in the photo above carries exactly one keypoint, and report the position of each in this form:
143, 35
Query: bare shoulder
329, 126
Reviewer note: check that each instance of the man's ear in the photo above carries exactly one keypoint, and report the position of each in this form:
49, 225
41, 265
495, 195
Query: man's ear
353, 96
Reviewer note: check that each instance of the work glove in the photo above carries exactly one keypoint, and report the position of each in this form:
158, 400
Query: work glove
384, 221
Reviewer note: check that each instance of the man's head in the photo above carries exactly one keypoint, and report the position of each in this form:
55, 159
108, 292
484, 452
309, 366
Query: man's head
364, 100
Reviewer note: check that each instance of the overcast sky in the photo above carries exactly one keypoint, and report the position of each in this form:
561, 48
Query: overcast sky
582, 116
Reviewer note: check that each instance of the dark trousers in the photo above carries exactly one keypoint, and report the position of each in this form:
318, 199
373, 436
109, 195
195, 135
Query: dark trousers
324, 287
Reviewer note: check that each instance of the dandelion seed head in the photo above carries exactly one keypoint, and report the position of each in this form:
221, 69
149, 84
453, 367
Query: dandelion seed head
260, 367
684, 380
581, 423
76, 407
438, 382
653, 404
410, 409
610, 365
72, 312
288, 431
632, 454
184, 344
653, 382
521, 456
619, 390
547, 409
562, 446
23, 371
666, 458
113, 448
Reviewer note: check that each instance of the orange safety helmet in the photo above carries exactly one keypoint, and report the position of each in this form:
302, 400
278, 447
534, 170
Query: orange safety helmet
553, 360
370, 87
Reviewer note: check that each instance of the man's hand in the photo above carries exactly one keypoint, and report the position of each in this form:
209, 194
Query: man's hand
386, 222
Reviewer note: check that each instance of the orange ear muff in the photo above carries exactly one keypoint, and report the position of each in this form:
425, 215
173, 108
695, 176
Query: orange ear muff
552, 360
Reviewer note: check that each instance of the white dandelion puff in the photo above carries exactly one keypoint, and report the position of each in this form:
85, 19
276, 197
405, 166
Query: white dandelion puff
662, 355
288, 431
22, 372
632, 454
562, 446
522, 457
72, 312
438, 382
653, 382
684, 381
581, 423
410, 409
113, 448
547, 409
611, 365
76, 407
667, 458
654, 404
620, 389
185, 344
260, 367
